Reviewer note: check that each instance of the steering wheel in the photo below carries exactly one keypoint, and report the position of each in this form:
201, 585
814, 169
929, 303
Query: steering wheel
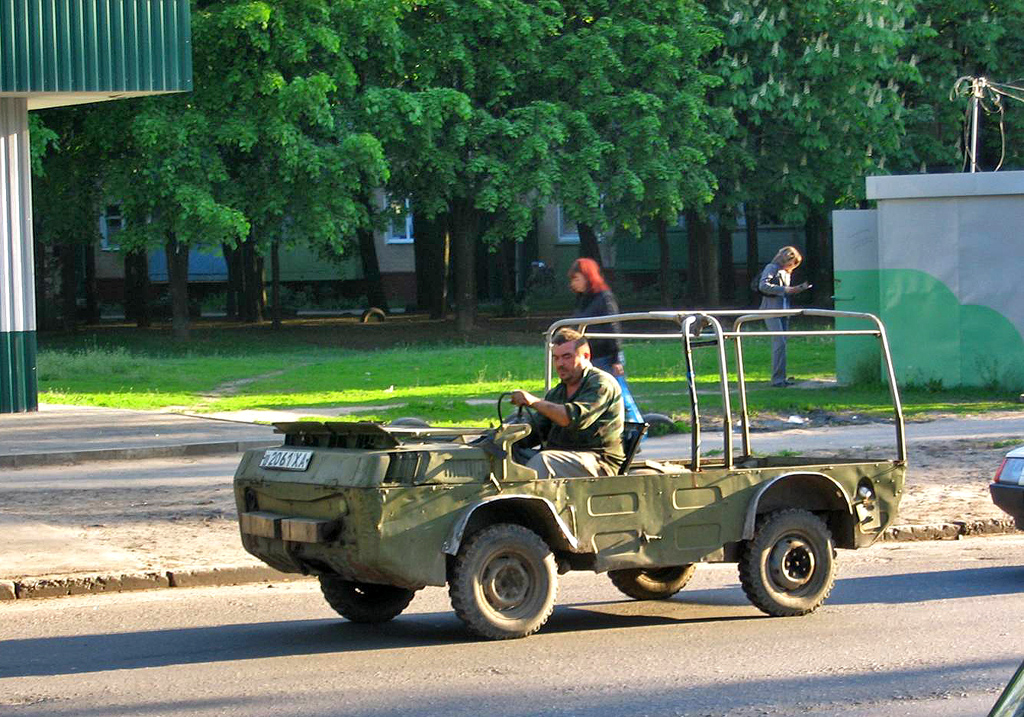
519, 416
519, 412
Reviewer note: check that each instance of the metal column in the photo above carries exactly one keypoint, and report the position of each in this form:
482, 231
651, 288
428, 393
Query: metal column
18, 389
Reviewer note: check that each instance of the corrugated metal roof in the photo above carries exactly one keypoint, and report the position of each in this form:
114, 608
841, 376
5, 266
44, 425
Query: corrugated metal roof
102, 46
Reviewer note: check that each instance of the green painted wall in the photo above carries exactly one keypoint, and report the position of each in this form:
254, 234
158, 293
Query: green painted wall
933, 337
858, 358
18, 391
82, 46
936, 338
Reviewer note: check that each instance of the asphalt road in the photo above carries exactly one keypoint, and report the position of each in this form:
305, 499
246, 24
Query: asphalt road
911, 629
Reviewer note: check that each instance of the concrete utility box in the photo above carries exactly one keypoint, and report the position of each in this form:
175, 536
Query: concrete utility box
941, 261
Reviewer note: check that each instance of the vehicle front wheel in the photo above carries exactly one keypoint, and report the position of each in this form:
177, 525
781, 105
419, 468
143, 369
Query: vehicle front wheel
503, 582
789, 567
652, 583
364, 602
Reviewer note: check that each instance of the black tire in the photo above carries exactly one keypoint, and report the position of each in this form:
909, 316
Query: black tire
364, 602
789, 568
503, 582
652, 583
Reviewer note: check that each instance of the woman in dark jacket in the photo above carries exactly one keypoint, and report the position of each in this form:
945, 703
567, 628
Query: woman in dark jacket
594, 298
775, 289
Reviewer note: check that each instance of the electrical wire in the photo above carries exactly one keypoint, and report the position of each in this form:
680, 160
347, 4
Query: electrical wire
988, 96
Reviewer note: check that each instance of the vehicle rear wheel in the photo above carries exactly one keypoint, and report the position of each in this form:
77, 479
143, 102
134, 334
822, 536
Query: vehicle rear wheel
652, 583
503, 582
789, 567
364, 602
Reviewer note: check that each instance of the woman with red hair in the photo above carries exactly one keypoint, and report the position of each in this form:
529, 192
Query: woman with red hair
594, 298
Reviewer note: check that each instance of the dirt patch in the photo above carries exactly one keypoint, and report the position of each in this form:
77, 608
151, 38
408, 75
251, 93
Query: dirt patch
945, 482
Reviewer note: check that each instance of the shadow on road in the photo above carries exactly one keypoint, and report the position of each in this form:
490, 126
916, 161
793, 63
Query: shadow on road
936, 585
221, 643
160, 648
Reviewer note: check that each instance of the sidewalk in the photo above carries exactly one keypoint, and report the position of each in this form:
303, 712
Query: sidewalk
58, 435
73, 434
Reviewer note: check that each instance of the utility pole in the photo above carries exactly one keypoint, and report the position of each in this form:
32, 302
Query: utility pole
977, 88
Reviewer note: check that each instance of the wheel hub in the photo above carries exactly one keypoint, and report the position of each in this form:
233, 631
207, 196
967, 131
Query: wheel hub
506, 583
791, 563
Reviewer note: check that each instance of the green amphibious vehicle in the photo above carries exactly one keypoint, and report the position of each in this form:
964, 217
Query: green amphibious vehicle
378, 512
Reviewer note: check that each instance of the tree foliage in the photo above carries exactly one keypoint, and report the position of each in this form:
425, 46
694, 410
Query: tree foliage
967, 38
815, 89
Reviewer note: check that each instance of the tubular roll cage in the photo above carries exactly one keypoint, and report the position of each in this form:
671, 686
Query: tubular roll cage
704, 328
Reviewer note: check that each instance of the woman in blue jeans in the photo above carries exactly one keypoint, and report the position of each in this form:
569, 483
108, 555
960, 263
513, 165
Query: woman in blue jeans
594, 298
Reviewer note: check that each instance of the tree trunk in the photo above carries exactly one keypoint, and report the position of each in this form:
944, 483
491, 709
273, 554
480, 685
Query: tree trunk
68, 286
507, 269
275, 282
43, 311
702, 262
588, 243
375, 294
465, 219
664, 264
726, 275
818, 261
753, 263
711, 265
177, 277
433, 257
136, 290
261, 288
92, 300
439, 310
252, 283
233, 288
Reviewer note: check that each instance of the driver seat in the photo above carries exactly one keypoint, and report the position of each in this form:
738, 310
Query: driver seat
631, 434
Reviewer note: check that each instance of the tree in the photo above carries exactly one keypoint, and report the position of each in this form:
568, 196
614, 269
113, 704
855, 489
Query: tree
65, 203
465, 136
815, 89
169, 177
629, 85
970, 38
281, 92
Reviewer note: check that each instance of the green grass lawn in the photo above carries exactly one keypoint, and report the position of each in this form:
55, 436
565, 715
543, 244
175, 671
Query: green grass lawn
424, 373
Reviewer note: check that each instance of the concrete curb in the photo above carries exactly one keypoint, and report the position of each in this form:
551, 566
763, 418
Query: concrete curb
950, 531
65, 585
23, 460
61, 586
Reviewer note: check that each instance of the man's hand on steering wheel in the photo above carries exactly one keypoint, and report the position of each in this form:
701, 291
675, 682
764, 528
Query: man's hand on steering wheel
523, 399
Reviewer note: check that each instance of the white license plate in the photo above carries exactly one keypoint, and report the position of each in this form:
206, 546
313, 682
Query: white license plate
286, 460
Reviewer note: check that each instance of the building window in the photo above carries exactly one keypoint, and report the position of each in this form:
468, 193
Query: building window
568, 232
399, 229
111, 222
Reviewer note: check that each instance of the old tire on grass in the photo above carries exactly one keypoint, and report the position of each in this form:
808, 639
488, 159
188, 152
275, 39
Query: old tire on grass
373, 315
788, 568
364, 602
660, 424
409, 422
652, 583
503, 582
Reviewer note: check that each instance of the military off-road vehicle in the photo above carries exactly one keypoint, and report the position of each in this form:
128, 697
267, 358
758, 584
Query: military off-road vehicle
378, 512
